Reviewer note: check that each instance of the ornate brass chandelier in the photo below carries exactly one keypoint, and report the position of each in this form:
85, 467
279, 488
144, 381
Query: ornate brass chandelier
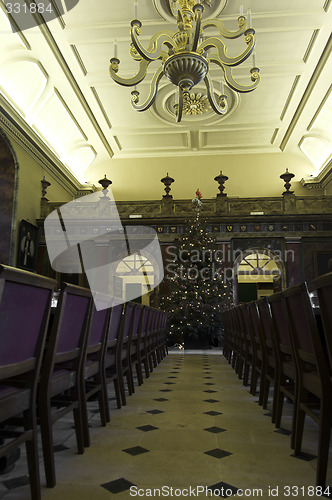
186, 57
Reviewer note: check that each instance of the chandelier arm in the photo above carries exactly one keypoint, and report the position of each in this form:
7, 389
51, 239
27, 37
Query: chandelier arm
180, 106
217, 23
128, 82
233, 84
214, 42
198, 13
156, 43
220, 110
152, 95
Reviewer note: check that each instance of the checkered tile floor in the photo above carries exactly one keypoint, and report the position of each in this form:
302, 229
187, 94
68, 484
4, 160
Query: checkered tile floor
192, 425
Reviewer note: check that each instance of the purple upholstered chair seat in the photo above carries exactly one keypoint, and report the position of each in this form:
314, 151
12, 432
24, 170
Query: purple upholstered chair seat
25, 304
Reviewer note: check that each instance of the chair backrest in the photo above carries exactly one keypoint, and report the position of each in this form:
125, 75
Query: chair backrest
266, 319
98, 328
144, 325
136, 320
245, 324
268, 328
68, 339
255, 321
305, 336
323, 286
128, 320
25, 305
114, 329
280, 323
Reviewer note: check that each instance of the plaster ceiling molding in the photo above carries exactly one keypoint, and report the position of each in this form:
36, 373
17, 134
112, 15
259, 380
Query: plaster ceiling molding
197, 108
212, 9
62, 131
79, 158
317, 149
23, 82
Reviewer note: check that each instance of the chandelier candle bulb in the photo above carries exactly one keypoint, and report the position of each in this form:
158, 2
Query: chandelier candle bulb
115, 49
249, 18
136, 9
222, 88
241, 10
254, 59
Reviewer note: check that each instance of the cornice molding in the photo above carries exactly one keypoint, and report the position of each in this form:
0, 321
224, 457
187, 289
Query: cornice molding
321, 180
16, 128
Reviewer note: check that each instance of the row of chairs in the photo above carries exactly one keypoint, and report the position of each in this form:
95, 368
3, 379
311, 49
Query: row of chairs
281, 341
53, 364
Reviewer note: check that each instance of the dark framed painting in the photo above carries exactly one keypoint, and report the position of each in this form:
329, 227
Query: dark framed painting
27, 246
323, 263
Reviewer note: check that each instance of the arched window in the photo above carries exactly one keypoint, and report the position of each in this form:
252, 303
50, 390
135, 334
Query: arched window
135, 278
258, 273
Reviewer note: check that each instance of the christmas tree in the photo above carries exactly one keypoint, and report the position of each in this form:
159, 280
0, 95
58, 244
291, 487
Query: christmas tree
197, 289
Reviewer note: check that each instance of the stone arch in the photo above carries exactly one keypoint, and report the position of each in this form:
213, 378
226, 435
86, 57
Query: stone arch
274, 256
8, 201
152, 261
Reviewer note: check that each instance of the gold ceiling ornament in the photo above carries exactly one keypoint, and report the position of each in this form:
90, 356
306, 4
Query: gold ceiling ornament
186, 59
195, 104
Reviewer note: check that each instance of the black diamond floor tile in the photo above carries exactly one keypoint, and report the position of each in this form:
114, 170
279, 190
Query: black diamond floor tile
211, 401
118, 485
215, 430
60, 447
210, 391
218, 453
171, 377
208, 383
307, 457
212, 413
147, 428
169, 383
208, 377
154, 412
161, 399
285, 432
16, 482
136, 450
222, 490
165, 390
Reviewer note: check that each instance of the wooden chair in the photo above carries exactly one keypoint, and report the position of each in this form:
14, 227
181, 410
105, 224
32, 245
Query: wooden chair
314, 376
123, 357
142, 346
273, 372
134, 343
25, 304
111, 369
59, 388
239, 361
93, 379
250, 346
245, 352
323, 286
288, 380
227, 350
260, 367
